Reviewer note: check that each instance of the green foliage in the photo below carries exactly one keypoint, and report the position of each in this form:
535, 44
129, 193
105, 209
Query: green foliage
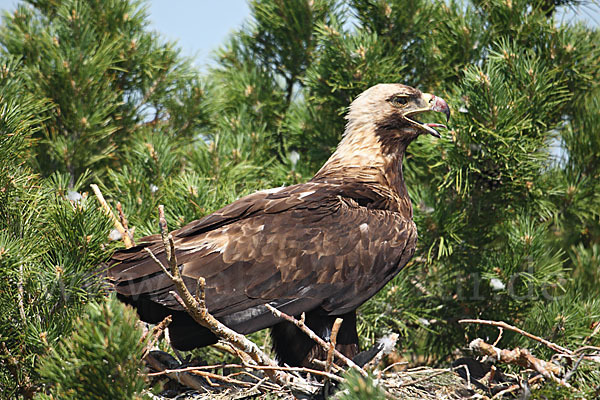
357, 387
506, 203
101, 359
105, 76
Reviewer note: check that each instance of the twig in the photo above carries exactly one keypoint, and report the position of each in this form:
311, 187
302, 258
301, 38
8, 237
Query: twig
467, 373
569, 374
580, 349
21, 295
185, 379
512, 388
521, 357
124, 222
297, 369
157, 261
320, 363
500, 331
251, 366
594, 332
300, 324
156, 333
329, 360
128, 242
223, 378
504, 325
332, 343
197, 309
426, 378
393, 365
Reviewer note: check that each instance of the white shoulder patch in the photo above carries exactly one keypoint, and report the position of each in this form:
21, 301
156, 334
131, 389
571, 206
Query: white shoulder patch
272, 190
304, 194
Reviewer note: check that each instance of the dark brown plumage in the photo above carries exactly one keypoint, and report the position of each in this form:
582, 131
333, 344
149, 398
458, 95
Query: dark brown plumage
323, 247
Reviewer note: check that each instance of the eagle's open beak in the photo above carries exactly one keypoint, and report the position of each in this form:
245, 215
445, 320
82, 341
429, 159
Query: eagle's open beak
434, 103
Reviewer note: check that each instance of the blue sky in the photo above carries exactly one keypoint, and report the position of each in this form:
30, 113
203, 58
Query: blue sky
200, 26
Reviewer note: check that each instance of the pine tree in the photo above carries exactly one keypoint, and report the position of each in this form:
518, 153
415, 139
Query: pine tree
101, 359
506, 203
106, 77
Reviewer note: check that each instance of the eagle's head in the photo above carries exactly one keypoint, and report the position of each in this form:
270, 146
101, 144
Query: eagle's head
382, 121
391, 109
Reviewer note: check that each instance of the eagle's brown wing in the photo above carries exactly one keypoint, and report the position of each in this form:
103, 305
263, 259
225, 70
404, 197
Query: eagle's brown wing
297, 248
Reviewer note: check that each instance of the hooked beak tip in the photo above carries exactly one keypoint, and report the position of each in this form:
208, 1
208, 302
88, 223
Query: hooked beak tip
439, 104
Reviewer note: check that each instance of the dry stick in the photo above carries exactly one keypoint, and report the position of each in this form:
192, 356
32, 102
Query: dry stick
393, 365
226, 379
336, 368
297, 369
580, 349
594, 332
512, 388
426, 378
185, 379
126, 239
157, 331
196, 307
332, 343
521, 357
569, 374
300, 324
124, 221
21, 295
504, 325
251, 366
240, 354
501, 330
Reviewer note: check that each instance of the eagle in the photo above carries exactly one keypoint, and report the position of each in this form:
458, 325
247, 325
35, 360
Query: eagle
321, 248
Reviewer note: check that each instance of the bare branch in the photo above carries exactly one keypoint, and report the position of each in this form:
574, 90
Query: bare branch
21, 295
594, 332
165, 270
156, 334
251, 366
504, 325
124, 221
500, 331
512, 388
332, 343
124, 235
521, 357
183, 378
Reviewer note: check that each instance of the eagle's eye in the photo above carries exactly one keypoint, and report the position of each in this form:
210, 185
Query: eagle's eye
399, 100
